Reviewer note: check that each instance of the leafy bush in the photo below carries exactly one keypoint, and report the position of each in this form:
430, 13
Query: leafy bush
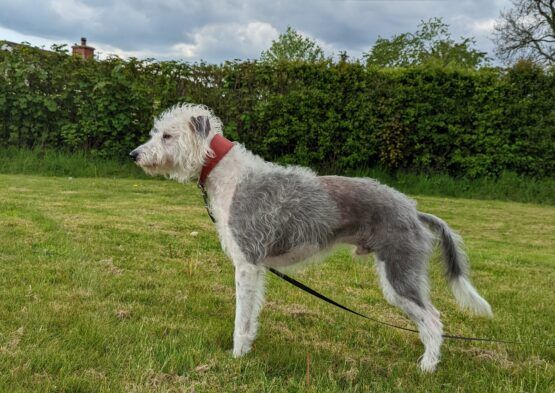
341, 116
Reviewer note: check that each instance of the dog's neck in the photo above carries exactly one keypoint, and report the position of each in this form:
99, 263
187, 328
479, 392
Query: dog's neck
220, 146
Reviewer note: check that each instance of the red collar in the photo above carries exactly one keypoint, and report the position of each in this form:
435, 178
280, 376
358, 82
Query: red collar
220, 146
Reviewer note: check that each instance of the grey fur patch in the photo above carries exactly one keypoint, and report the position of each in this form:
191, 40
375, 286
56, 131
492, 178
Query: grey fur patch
201, 125
454, 257
381, 219
273, 212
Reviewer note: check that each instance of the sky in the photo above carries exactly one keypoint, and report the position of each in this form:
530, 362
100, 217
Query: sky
215, 30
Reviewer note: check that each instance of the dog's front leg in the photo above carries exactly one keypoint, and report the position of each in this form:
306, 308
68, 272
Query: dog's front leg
249, 289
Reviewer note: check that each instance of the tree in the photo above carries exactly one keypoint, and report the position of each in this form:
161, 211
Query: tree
527, 31
291, 46
431, 43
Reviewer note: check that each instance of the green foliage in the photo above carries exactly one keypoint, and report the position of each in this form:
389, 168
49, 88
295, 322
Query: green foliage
292, 46
331, 116
432, 43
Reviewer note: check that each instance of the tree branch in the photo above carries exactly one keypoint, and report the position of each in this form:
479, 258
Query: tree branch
549, 18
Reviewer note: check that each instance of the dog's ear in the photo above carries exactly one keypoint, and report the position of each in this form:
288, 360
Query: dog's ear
200, 125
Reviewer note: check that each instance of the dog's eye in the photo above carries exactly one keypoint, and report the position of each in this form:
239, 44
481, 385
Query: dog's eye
166, 136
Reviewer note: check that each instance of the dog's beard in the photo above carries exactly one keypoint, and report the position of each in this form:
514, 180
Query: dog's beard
174, 172
153, 168
169, 165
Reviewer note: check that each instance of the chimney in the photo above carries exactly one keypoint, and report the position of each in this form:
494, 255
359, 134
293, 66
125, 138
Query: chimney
84, 51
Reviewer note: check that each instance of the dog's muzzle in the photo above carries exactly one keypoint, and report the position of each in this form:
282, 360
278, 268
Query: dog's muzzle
134, 155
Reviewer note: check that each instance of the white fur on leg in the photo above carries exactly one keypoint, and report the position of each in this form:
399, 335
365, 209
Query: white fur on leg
428, 321
467, 297
431, 330
249, 287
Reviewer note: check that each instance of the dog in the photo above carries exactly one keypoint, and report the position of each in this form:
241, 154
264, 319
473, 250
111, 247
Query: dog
269, 215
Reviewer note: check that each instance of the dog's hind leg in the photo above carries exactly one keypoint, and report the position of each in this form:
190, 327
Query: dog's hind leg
249, 288
407, 290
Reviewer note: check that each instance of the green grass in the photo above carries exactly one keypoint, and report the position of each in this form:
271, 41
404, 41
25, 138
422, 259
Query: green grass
58, 163
103, 288
508, 187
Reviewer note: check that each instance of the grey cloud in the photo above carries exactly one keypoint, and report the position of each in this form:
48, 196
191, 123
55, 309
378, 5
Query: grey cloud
220, 30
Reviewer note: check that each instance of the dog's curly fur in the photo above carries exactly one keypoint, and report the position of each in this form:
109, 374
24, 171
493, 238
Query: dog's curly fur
270, 215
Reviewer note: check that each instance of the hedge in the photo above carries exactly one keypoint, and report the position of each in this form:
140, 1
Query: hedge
326, 115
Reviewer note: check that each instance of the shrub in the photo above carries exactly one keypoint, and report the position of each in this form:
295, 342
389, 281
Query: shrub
327, 115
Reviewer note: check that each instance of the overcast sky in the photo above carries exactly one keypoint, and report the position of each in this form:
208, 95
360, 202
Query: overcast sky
224, 30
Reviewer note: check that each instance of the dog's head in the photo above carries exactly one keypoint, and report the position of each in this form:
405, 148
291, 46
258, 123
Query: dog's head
179, 142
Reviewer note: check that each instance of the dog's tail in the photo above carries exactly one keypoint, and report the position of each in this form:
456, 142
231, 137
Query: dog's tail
456, 266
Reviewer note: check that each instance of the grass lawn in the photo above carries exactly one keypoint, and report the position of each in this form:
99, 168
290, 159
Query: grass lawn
103, 288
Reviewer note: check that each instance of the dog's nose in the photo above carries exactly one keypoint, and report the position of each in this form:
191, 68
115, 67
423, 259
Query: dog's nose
134, 155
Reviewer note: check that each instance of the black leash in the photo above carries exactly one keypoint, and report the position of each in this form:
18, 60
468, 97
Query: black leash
311, 291
300, 285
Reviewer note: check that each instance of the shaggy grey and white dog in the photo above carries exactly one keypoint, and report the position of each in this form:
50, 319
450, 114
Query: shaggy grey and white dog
273, 216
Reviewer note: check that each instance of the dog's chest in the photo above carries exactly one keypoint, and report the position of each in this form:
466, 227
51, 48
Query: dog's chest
221, 188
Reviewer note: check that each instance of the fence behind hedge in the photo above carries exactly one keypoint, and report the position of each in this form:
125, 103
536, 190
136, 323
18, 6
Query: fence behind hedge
343, 116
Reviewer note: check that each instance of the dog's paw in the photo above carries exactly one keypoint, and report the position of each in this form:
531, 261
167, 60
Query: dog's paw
241, 346
428, 364
241, 351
